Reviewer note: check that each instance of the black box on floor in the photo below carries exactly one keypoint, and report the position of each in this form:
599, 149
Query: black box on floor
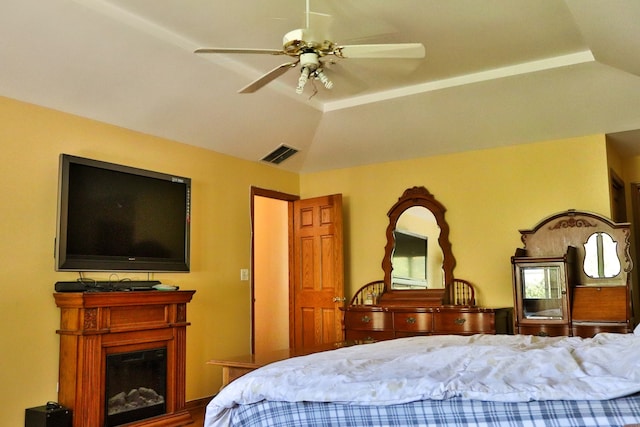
49, 415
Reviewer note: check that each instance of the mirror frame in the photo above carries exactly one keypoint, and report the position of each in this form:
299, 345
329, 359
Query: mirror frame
573, 227
418, 196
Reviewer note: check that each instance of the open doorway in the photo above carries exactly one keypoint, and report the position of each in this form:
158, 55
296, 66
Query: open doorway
270, 267
297, 285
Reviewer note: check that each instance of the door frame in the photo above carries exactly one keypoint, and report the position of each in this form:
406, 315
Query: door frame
618, 197
272, 194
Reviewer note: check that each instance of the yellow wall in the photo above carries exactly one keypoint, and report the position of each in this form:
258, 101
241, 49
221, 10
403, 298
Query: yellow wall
631, 170
31, 138
489, 196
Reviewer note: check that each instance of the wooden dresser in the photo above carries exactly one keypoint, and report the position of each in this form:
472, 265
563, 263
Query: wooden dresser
573, 277
419, 294
382, 323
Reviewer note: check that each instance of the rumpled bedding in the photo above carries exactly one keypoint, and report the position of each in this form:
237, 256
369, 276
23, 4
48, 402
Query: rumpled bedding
505, 368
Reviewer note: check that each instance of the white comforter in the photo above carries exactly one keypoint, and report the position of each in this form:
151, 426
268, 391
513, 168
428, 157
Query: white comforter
483, 367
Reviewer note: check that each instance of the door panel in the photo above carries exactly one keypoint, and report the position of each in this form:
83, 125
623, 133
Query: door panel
318, 271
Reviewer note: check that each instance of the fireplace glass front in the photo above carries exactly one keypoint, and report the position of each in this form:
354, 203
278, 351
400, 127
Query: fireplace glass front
136, 384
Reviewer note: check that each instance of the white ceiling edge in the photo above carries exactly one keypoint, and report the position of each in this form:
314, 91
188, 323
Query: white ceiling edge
493, 74
135, 21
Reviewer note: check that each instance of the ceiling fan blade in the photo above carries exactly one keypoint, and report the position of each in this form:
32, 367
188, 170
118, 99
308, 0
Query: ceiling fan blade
238, 50
392, 50
270, 76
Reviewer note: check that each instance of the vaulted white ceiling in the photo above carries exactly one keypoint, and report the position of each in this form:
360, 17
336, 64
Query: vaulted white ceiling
496, 72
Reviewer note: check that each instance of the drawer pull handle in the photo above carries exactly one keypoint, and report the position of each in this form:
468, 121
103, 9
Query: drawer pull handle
459, 321
366, 319
542, 334
411, 320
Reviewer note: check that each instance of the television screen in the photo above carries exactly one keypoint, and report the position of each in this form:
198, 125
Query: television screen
118, 218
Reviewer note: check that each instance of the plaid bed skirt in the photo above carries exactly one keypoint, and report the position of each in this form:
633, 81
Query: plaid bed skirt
451, 412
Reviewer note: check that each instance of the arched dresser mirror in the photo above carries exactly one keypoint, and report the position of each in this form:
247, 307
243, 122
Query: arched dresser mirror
418, 262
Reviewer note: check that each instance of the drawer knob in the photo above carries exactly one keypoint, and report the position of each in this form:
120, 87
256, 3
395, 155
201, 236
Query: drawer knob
411, 320
366, 319
459, 321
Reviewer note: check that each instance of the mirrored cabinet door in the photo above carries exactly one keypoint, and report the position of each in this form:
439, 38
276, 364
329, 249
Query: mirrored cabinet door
544, 291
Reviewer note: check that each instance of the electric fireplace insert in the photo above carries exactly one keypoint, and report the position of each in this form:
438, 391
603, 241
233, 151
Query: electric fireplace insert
136, 385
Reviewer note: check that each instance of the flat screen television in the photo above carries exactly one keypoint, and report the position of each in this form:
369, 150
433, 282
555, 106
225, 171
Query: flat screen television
119, 218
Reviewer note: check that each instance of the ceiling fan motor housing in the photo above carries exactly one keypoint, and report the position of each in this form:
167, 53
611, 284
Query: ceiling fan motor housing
293, 36
310, 60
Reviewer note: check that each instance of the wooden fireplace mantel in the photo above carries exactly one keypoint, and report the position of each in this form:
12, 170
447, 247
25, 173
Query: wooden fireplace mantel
96, 324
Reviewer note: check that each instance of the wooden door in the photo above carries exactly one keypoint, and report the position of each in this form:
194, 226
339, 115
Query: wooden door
318, 271
618, 199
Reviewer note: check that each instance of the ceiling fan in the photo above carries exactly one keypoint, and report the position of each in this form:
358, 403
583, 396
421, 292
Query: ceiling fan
310, 49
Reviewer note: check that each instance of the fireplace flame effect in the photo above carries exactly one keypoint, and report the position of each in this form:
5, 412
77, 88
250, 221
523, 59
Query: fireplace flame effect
136, 398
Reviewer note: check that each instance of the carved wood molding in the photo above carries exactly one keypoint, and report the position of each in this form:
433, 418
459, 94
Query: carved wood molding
627, 252
91, 319
572, 223
573, 227
181, 312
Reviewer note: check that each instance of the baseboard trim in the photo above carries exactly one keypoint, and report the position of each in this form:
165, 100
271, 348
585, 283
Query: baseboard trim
196, 409
197, 403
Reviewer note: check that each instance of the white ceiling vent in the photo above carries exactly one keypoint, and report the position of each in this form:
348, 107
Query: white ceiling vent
279, 155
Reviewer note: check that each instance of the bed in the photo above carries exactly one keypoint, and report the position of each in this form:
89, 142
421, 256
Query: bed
479, 380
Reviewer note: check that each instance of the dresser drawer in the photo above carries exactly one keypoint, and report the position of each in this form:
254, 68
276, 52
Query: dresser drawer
413, 322
452, 322
544, 330
599, 304
589, 329
368, 336
368, 320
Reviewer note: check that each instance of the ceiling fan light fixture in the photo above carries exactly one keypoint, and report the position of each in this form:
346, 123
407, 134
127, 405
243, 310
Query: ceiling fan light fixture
302, 80
320, 75
307, 46
310, 63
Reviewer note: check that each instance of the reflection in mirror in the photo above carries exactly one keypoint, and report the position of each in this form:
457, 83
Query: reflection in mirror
601, 256
417, 256
409, 261
542, 292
